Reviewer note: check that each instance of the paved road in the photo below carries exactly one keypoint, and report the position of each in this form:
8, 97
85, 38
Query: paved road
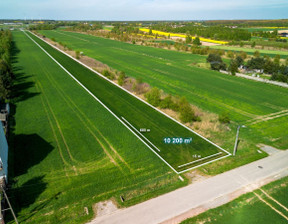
209, 193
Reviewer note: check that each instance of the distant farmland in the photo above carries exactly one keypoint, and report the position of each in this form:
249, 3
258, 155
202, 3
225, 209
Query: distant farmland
251, 51
248, 102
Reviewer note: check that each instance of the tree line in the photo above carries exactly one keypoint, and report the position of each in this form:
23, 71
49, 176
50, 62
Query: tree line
86, 27
248, 23
6, 74
122, 28
212, 32
265, 64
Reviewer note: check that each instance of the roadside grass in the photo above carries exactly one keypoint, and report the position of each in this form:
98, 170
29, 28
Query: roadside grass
172, 72
247, 151
249, 208
67, 152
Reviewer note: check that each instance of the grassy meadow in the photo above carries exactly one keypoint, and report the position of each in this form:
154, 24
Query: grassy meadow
67, 152
175, 73
250, 51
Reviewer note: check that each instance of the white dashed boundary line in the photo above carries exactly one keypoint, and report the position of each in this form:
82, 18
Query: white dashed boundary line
198, 160
140, 134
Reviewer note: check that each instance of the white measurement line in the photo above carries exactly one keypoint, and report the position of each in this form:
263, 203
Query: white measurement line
207, 157
100, 102
194, 167
140, 134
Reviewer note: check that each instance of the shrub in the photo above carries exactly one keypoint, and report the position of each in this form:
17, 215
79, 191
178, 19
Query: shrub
230, 54
167, 102
257, 54
153, 97
77, 54
108, 74
121, 78
186, 112
224, 118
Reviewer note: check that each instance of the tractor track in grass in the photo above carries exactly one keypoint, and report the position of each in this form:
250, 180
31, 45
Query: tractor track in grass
167, 83
267, 117
84, 120
271, 206
65, 163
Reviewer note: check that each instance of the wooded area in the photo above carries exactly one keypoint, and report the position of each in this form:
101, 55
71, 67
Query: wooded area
6, 74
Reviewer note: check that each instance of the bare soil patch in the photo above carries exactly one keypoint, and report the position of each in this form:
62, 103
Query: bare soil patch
195, 176
104, 208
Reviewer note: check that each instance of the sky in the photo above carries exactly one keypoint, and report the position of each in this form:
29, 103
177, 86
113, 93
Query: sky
134, 10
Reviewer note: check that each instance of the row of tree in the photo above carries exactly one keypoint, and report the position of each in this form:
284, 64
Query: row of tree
84, 27
122, 28
44, 26
248, 23
6, 74
267, 34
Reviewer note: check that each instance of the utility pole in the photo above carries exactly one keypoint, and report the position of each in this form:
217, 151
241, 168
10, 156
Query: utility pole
236, 140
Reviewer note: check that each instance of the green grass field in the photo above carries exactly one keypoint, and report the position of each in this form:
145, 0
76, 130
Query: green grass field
271, 53
175, 74
67, 151
249, 208
108, 28
137, 115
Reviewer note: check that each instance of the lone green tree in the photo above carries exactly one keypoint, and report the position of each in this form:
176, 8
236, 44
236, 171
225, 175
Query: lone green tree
150, 31
233, 67
197, 41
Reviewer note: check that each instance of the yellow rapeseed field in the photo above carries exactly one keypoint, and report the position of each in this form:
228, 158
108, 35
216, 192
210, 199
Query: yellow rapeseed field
181, 35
